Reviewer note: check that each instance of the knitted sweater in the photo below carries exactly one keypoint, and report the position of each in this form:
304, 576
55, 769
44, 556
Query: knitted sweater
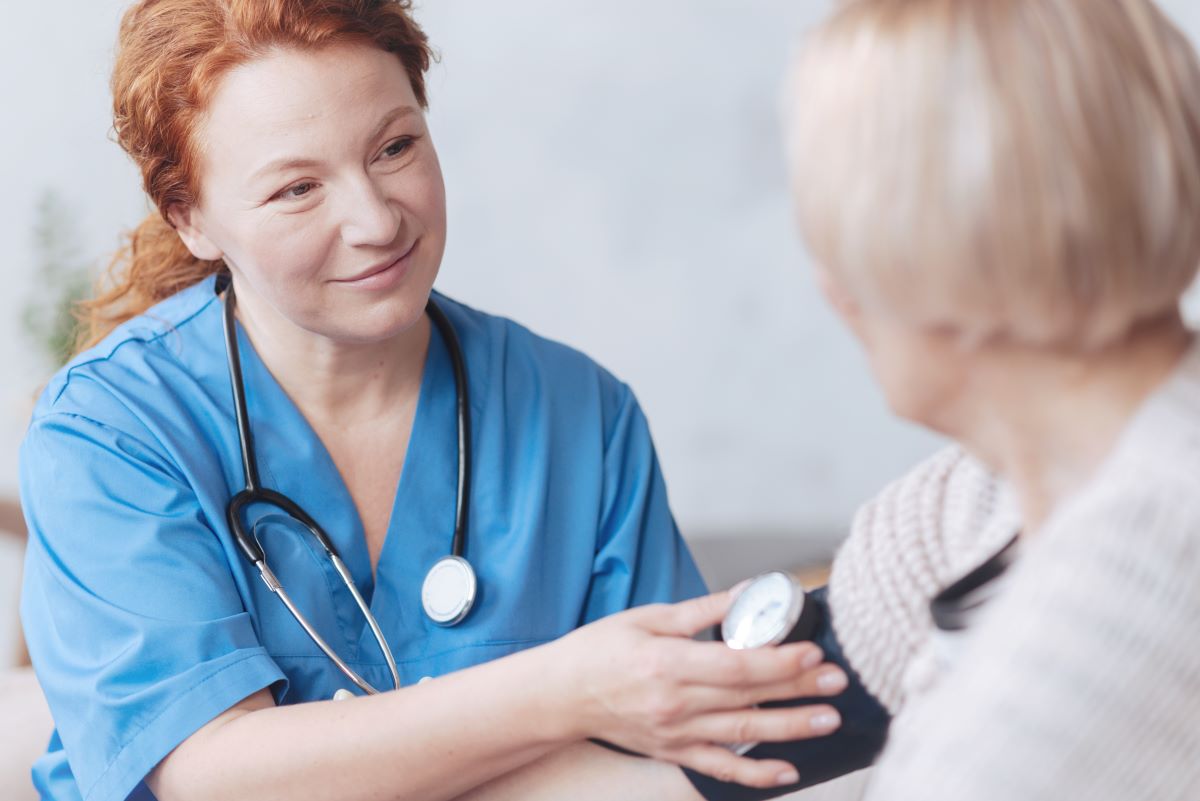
1081, 678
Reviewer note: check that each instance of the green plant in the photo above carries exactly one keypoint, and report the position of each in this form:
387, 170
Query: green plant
62, 280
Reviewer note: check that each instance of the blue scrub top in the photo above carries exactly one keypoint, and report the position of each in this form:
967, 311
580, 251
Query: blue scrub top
145, 621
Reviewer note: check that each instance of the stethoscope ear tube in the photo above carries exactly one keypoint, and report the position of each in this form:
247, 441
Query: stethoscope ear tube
233, 517
458, 545
245, 435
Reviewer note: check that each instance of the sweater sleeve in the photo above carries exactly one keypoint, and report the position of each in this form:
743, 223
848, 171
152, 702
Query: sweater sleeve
1080, 680
912, 540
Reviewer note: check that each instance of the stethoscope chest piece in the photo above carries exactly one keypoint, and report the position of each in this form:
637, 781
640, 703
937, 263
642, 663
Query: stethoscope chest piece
449, 590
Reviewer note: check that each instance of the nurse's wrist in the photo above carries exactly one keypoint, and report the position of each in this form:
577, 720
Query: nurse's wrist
556, 687
537, 699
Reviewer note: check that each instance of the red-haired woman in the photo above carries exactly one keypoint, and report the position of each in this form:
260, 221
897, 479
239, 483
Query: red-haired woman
275, 425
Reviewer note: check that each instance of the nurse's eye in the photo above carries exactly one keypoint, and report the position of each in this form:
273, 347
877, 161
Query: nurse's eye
295, 191
398, 147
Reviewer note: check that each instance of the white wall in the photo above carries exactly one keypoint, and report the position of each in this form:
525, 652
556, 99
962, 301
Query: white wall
614, 180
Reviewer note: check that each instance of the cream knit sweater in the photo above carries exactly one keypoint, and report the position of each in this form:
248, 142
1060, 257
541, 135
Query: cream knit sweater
1081, 679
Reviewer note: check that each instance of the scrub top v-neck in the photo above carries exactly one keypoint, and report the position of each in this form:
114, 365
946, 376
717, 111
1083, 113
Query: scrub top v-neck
144, 620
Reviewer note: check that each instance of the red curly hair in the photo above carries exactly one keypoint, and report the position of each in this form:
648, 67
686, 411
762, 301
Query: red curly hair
171, 57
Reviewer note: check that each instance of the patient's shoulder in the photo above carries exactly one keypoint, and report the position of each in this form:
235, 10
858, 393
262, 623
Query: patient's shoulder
917, 536
1143, 501
934, 523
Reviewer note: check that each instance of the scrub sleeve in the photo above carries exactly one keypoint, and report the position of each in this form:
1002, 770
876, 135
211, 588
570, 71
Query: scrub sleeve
134, 621
135, 598
640, 556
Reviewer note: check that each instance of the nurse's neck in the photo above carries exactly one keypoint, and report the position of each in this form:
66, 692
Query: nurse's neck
337, 383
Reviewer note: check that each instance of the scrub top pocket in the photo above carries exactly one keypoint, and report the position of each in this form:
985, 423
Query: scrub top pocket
306, 573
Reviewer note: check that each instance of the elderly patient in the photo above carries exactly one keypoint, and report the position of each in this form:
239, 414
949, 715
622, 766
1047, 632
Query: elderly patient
1004, 198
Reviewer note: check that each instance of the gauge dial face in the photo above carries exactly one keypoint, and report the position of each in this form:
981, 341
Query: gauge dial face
764, 613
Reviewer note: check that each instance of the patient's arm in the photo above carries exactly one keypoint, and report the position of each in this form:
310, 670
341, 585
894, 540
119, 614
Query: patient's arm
855, 744
584, 772
587, 772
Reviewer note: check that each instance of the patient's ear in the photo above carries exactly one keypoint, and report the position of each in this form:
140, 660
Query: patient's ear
188, 223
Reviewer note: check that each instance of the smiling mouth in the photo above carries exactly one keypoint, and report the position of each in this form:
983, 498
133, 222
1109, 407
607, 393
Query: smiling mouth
381, 268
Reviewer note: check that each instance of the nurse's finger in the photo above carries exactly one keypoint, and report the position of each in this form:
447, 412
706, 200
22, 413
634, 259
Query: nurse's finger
686, 618
724, 765
782, 724
822, 681
715, 664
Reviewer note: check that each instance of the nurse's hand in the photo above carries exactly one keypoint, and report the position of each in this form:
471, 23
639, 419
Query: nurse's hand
637, 679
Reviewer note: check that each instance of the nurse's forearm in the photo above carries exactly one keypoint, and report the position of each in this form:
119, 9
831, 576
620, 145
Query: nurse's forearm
587, 772
431, 741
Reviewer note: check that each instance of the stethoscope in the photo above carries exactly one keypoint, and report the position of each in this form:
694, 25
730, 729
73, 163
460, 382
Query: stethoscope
450, 586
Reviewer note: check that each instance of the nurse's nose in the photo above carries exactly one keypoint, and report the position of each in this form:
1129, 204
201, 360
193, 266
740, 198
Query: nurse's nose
368, 218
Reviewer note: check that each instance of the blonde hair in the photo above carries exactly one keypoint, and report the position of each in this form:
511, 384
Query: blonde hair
1027, 169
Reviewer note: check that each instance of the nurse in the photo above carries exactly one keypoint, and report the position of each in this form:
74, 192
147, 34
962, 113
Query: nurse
285, 147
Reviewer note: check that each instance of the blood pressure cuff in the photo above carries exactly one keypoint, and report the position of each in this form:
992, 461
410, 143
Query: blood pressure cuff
852, 747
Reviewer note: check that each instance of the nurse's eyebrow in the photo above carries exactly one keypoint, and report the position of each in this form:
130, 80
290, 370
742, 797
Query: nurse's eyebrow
387, 119
287, 163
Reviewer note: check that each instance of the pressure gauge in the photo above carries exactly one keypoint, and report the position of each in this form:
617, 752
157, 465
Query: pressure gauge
770, 610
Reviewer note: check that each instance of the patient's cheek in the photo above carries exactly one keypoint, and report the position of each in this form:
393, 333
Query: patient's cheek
921, 377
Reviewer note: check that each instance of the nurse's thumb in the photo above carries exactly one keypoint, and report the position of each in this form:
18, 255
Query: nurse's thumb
686, 618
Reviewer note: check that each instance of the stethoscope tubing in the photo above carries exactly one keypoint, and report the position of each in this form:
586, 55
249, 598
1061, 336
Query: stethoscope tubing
254, 492
458, 546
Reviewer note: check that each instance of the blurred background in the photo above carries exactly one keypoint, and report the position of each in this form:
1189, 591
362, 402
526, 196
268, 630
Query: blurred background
615, 181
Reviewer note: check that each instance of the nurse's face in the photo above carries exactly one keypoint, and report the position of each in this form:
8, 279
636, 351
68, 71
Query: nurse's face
321, 190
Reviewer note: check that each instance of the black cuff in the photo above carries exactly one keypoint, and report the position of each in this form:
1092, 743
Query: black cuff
852, 747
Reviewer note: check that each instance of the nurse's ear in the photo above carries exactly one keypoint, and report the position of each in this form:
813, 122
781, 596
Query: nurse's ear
187, 222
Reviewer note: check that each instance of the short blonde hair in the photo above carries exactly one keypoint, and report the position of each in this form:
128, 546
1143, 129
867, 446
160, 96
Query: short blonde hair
1019, 168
